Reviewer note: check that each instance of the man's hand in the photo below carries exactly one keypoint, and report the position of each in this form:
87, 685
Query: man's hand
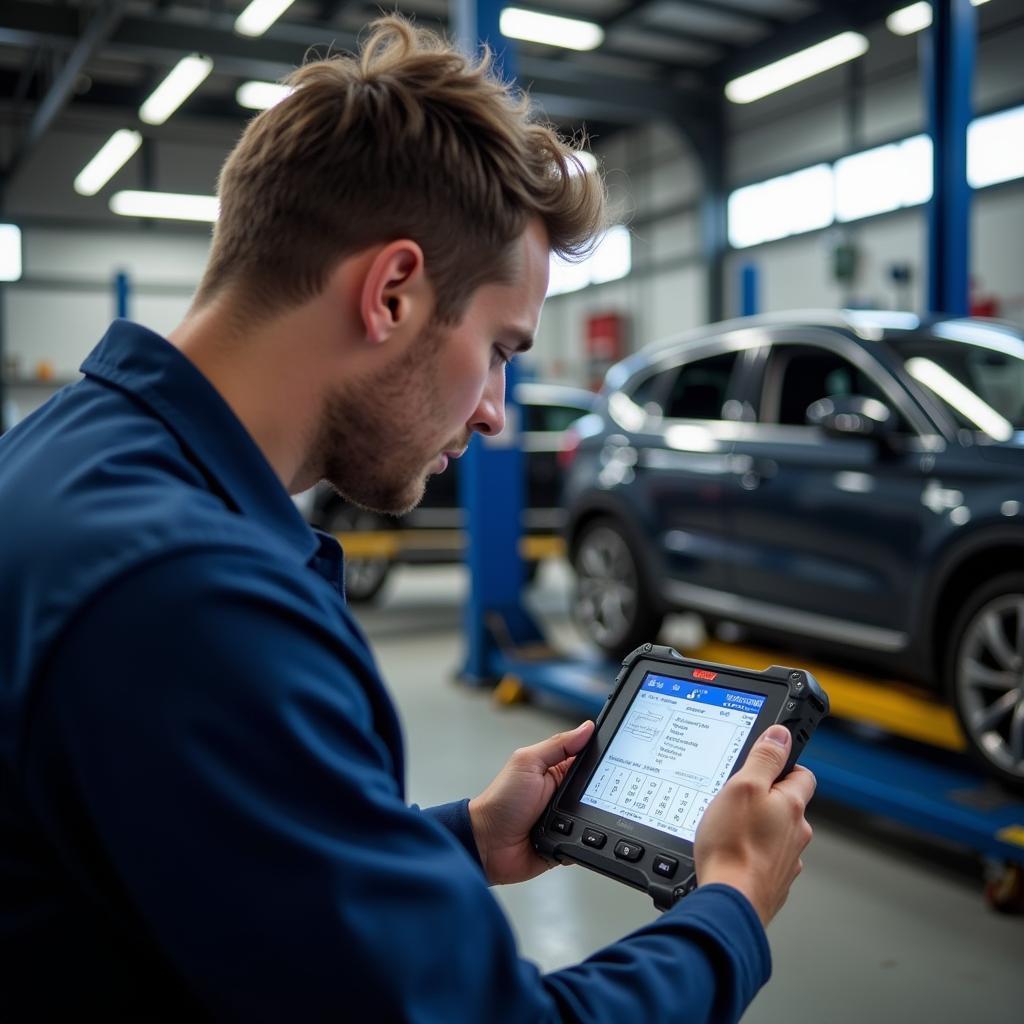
503, 814
754, 831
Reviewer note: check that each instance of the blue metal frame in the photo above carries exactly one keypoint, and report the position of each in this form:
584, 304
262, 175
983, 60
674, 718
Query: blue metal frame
947, 62
750, 282
493, 477
122, 294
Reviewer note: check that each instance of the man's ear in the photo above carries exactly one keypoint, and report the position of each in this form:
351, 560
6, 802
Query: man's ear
395, 290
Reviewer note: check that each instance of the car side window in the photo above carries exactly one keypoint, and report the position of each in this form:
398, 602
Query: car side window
799, 375
701, 388
649, 394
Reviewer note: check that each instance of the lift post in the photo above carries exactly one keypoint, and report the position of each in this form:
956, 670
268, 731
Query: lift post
492, 481
947, 64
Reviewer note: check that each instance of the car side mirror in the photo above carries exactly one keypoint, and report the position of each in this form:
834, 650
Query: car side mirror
849, 416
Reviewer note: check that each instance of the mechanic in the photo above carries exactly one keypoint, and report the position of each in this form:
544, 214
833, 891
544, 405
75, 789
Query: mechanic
202, 812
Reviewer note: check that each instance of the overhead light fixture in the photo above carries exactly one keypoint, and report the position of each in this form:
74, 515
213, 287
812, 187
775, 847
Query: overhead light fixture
10, 252
186, 76
260, 15
113, 155
908, 20
261, 95
795, 68
568, 33
165, 206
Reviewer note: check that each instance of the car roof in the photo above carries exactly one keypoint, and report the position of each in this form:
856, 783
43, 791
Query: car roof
870, 325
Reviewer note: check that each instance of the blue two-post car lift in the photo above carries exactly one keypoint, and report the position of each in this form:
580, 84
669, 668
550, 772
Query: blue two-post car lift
908, 765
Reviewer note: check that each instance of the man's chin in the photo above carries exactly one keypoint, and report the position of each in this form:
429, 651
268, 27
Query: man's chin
388, 503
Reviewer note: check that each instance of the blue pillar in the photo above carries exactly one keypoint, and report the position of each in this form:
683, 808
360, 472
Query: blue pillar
947, 62
749, 282
492, 480
122, 294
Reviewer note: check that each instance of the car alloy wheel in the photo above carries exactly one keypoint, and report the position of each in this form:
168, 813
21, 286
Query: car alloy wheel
610, 604
988, 675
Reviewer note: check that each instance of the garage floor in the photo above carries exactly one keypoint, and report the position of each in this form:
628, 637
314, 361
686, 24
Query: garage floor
880, 927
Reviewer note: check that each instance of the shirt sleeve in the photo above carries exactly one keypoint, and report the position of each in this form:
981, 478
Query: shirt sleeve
209, 722
455, 818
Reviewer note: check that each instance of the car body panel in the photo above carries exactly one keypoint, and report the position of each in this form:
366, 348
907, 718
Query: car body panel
846, 542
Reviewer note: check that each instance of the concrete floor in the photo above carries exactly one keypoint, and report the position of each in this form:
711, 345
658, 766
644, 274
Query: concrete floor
878, 927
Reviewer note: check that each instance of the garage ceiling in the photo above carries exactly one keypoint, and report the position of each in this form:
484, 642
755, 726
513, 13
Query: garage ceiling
92, 62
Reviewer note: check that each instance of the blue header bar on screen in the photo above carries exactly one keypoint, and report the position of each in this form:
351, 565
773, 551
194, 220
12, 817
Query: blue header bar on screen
702, 693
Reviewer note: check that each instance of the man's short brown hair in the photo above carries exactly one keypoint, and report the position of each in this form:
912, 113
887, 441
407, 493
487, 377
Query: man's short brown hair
409, 138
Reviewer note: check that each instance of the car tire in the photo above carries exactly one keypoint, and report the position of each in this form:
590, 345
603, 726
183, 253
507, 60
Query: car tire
984, 671
364, 577
611, 601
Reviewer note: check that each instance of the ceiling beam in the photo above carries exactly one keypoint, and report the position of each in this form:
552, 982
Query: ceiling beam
161, 40
835, 18
97, 30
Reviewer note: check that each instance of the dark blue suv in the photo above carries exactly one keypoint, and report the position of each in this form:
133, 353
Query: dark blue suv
852, 482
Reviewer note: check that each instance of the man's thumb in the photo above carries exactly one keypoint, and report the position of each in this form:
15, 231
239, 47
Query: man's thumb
555, 750
768, 755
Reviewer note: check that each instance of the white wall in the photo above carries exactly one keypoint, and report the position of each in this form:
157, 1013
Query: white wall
66, 299
796, 272
810, 122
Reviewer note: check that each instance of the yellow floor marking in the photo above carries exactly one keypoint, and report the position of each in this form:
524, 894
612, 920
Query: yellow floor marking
1012, 834
541, 546
368, 543
893, 706
389, 543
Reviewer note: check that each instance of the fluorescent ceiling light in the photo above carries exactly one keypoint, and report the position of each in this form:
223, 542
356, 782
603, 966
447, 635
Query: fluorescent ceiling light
796, 67
165, 206
908, 20
186, 76
260, 15
10, 252
261, 95
113, 155
547, 28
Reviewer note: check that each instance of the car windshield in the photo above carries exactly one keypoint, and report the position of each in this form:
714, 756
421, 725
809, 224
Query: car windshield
975, 370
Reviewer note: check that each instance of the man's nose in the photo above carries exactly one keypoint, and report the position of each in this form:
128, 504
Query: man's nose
489, 416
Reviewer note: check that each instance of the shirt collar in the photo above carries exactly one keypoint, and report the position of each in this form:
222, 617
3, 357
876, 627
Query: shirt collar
150, 368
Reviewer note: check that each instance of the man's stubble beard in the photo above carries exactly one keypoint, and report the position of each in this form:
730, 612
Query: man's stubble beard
366, 441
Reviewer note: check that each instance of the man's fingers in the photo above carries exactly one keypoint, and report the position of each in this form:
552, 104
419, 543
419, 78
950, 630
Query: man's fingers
562, 745
800, 782
768, 755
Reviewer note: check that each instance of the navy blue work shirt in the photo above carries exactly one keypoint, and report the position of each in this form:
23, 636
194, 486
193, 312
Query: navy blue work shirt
201, 781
